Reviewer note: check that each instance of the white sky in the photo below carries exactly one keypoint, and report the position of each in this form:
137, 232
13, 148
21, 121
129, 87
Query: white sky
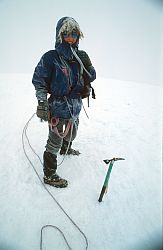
122, 37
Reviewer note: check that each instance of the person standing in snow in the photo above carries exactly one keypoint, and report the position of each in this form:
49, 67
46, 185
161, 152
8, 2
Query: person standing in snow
60, 73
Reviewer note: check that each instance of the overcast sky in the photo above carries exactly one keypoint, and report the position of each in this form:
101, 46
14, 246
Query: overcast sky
122, 37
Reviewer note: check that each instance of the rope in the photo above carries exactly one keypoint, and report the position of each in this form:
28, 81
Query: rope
24, 135
85, 110
67, 146
57, 230
80, 61
54, 128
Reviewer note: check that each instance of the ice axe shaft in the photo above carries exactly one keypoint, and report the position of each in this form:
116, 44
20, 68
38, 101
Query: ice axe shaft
106, 181
105, 185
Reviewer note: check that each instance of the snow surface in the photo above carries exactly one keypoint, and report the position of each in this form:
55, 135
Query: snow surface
124, 121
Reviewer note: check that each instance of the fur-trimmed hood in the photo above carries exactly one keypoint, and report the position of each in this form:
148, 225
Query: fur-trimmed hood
67, 24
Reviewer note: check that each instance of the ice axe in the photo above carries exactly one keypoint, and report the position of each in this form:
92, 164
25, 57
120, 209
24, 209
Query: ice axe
105, 185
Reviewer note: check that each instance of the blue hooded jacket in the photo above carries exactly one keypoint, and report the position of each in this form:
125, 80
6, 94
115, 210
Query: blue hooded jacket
59, 74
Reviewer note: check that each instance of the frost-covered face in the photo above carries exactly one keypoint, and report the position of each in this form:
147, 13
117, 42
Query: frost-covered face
70, 37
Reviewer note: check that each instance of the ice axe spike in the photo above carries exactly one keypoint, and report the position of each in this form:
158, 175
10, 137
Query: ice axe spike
105, 185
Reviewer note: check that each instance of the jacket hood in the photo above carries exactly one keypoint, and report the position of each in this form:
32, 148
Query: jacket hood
67, 24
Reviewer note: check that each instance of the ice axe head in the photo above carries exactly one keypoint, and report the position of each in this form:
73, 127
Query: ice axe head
113, 159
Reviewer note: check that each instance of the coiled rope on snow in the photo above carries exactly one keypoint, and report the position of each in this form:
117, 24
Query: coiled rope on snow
24, 135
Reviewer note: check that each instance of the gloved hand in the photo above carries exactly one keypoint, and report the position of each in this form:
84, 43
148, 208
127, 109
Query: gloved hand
43, 110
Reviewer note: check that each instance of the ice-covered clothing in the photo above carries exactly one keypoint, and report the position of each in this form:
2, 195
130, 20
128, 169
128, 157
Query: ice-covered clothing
59, 73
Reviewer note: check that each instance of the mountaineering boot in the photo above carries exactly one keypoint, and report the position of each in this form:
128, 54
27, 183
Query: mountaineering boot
55, 181
50, 175
70, 150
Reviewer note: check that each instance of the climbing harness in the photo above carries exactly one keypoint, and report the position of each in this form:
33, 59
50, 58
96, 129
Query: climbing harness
25, 136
